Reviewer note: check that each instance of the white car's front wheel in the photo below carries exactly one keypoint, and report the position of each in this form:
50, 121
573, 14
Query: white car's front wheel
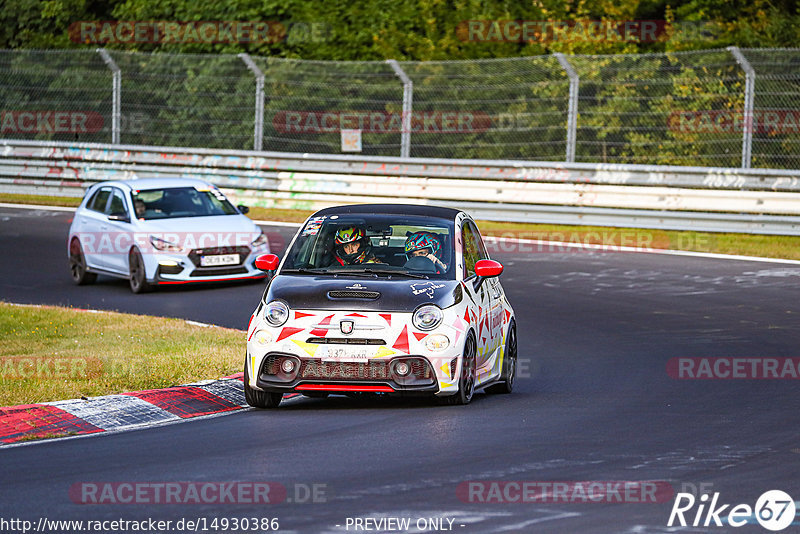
466, 379
257, 398
138, 275
77, 264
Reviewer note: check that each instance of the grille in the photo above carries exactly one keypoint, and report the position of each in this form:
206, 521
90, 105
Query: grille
346, 340
359, 371
217, 271
453, 363
195, 254
347, 294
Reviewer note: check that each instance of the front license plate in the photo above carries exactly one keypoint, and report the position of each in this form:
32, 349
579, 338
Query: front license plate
343, 354
219, 259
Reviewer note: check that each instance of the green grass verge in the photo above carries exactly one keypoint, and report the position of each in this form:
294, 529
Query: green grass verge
768, 246
49, 353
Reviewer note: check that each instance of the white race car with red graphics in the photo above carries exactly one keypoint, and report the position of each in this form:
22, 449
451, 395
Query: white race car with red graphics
389, 299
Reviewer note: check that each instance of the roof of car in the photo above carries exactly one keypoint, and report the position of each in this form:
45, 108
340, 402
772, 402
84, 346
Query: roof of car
394, 209
157, 183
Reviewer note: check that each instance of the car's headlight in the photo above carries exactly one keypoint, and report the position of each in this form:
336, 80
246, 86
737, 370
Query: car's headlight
260, 241
427, 317
276, 313
161, 244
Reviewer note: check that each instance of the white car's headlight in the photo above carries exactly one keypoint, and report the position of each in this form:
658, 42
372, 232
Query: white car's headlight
427, 317
260, 241
276, 313
161, 244
437, 342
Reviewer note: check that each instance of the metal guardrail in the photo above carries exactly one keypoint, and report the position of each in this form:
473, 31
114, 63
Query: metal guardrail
683, 198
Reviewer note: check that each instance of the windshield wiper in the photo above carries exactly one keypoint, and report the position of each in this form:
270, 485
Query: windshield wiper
386, 272
303, 270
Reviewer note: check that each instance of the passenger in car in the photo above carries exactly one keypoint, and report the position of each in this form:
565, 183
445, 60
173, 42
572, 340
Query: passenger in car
424, 245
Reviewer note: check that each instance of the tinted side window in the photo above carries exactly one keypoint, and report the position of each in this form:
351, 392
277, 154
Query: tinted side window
117, 205
99, 200
473, 247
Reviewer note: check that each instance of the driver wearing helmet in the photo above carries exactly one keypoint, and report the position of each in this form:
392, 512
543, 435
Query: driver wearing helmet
426, 245
352, 246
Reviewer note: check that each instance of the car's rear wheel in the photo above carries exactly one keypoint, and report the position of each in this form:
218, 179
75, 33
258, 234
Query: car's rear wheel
506, 385
77, 265
466, 380
138, 275
256, 398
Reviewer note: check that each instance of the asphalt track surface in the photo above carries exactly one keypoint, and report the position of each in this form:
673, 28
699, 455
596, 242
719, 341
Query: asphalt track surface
593, 402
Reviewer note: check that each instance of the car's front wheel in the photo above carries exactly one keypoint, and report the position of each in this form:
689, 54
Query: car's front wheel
257, 398
466, 380
138, 275
77, 265
506, 384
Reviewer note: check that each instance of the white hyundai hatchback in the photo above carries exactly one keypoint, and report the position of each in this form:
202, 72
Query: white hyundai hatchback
162, 231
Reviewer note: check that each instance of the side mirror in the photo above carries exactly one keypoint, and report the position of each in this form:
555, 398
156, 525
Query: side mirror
486, 269
267, 262
119, 218
244, 210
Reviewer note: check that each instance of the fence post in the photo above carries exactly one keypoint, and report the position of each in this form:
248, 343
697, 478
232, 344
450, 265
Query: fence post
572, 113
749, 96
116, 94
258, 134
408, 95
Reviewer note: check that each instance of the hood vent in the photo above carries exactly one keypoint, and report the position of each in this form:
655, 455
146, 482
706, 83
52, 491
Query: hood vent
353, 294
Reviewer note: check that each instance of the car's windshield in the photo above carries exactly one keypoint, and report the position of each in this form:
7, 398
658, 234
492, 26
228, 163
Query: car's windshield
173, 202
374, 244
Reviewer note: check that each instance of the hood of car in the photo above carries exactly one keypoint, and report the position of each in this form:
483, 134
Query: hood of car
215, 224
363, 294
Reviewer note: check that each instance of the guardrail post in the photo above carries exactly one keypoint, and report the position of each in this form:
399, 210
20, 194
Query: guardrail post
258, 134
116, 94
408, 95
572, 113
749, 96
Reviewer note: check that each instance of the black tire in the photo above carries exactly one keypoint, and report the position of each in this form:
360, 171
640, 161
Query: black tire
259, 399
509, 364
466, 379
138, 276
77, 265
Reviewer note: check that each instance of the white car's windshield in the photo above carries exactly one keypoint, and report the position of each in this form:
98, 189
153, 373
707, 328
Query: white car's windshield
173, 202
374, 244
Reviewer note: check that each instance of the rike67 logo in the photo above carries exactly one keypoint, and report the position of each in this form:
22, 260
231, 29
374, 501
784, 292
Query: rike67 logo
774, 510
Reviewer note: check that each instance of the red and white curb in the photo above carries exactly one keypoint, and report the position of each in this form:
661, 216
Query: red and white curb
126, 411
